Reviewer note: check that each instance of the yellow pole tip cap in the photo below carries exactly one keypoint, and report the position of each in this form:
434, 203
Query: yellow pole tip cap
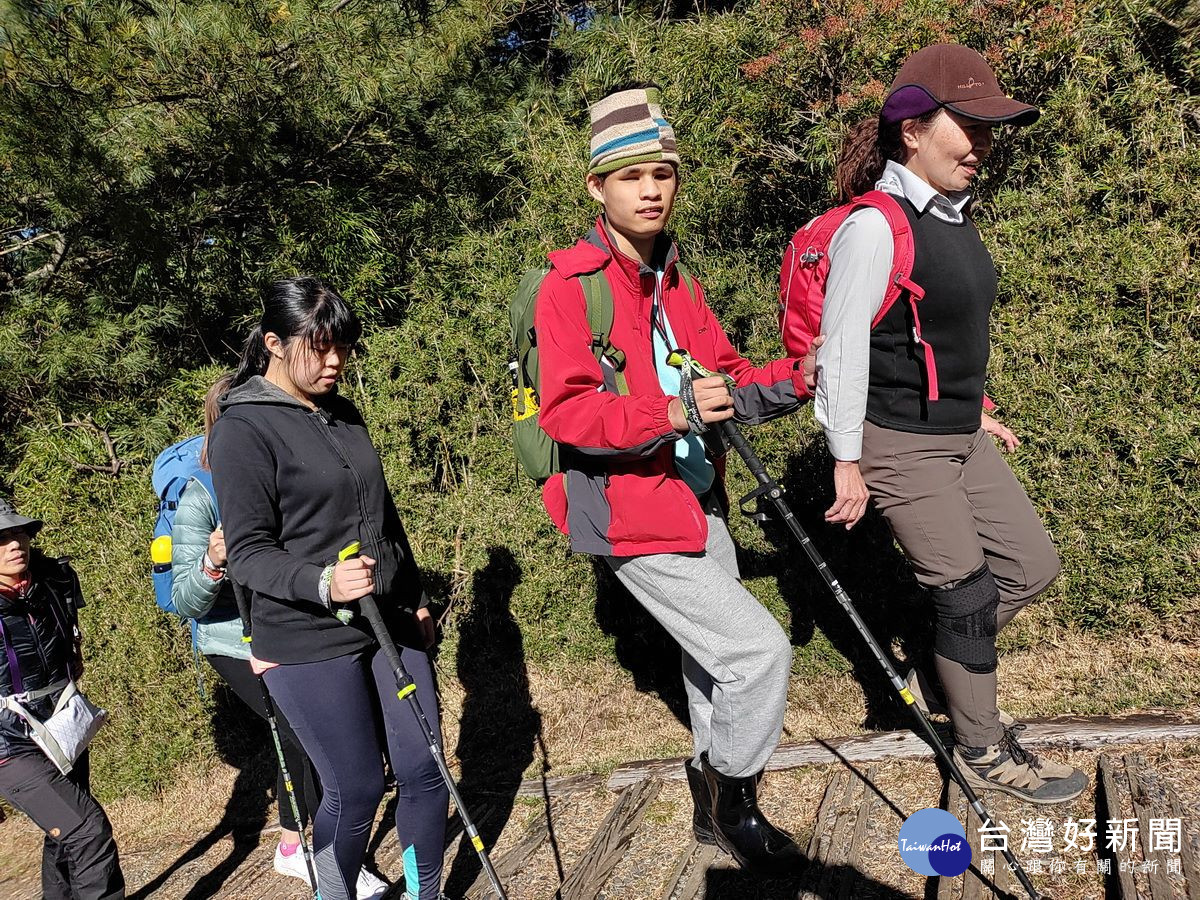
349, 550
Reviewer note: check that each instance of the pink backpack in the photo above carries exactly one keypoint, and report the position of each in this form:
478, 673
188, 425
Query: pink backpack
806, 267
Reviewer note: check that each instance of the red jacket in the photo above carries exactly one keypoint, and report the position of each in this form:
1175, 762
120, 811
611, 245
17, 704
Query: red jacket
619, 493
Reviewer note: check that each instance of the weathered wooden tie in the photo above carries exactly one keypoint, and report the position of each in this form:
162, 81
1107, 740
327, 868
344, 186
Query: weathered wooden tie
843, 823
974, 884
589, 874
1130, 789
512, 861
1077, 732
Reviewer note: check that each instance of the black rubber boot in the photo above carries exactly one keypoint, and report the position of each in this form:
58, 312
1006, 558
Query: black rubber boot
742, 830
702, 825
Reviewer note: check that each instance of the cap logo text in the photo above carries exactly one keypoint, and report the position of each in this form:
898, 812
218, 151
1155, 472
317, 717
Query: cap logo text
971, 83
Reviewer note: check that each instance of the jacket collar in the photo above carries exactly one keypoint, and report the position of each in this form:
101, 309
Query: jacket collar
597, 250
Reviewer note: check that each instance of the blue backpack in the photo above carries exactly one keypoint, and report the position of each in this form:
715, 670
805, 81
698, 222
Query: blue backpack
172, 470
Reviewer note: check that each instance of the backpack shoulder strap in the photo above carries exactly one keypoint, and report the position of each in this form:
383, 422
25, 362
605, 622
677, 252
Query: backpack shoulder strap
598, 295
900, 282
689, 282
903, 249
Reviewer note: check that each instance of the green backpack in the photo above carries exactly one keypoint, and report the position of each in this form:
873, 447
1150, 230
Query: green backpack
537, 454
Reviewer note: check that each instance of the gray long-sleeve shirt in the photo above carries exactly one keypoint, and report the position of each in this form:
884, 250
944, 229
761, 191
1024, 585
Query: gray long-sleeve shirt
860, 261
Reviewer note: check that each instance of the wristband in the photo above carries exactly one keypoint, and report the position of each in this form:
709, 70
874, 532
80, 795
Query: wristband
324, 586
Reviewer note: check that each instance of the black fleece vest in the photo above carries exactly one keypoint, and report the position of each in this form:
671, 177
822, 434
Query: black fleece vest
959, 279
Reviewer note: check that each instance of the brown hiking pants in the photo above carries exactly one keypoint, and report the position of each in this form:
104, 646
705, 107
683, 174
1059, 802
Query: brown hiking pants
953, 504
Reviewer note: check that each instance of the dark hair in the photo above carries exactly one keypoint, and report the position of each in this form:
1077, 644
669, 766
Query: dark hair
301, 307
865, 151
211, 410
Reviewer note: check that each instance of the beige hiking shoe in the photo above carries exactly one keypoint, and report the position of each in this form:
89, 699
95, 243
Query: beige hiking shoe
927, 700
1011, 768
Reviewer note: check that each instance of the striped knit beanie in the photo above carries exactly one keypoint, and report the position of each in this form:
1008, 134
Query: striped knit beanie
628, 128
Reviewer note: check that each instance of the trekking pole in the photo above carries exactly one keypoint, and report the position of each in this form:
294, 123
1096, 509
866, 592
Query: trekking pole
406, 689
243, 605
772, 491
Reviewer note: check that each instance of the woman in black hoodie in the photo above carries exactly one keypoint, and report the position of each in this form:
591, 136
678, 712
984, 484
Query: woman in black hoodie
298, 480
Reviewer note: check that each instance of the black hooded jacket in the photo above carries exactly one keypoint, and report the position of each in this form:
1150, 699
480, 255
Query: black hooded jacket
41, 632
295, 486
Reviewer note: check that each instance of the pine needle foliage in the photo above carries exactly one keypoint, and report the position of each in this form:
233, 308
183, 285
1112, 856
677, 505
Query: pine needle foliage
161, 162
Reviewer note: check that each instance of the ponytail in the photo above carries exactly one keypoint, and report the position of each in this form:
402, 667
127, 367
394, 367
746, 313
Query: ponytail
212, 410
866, 150
861, 161
254, 358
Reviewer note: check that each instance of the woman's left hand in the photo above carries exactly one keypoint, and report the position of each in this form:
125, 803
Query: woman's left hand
1000, 433
426, 626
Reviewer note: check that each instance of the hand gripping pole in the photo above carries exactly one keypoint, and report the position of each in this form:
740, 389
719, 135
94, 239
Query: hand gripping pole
406, 689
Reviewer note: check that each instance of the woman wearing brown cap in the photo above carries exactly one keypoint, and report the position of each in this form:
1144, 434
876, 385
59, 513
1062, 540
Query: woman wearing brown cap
907, 427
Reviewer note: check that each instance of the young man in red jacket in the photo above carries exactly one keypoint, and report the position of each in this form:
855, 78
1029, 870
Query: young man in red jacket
638, 486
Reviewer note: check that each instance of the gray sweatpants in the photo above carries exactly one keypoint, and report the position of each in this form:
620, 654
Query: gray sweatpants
736, 658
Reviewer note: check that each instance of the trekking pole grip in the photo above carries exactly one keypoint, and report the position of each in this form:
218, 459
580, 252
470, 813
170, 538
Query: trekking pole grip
242, 597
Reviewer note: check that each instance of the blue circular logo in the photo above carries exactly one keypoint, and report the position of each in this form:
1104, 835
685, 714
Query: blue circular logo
933, 842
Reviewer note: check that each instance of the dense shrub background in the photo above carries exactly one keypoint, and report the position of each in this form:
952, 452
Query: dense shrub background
160, 163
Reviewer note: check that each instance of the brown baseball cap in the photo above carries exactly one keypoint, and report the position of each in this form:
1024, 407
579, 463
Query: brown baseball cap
957, 78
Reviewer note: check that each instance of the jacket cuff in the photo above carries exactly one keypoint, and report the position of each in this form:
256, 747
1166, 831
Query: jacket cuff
306, 584
802, 391
662, 421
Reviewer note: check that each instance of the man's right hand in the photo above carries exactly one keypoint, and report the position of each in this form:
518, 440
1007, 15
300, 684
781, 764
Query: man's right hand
352, 578
852, 495
712, 399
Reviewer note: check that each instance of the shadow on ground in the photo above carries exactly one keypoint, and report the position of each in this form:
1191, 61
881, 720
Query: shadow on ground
244, 742
871, 569
499, 726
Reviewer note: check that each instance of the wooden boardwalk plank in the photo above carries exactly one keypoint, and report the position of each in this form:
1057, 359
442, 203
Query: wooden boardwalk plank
1189, 862
592, 870
1112, 791
699, 875
862, 827
1144, 809
676, 876
949, 888
511, 862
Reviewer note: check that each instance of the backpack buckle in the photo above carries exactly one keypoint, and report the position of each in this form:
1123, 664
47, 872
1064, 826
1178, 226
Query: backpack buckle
810, 256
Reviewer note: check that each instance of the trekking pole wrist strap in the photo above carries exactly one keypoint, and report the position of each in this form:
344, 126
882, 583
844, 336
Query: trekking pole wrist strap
687, 398
325, 587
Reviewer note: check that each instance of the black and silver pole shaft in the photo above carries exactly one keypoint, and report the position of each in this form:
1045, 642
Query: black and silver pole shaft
406, 689
771, 490
243, 606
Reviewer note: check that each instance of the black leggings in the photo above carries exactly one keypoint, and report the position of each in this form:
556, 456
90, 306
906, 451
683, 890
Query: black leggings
335, 706
244, 683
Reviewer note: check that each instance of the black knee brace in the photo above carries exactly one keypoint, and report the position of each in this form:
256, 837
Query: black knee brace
966, 621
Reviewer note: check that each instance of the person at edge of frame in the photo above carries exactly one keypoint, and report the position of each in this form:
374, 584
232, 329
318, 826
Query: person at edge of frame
298, 480
202, 591
39, 603
931, 467
638, 487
